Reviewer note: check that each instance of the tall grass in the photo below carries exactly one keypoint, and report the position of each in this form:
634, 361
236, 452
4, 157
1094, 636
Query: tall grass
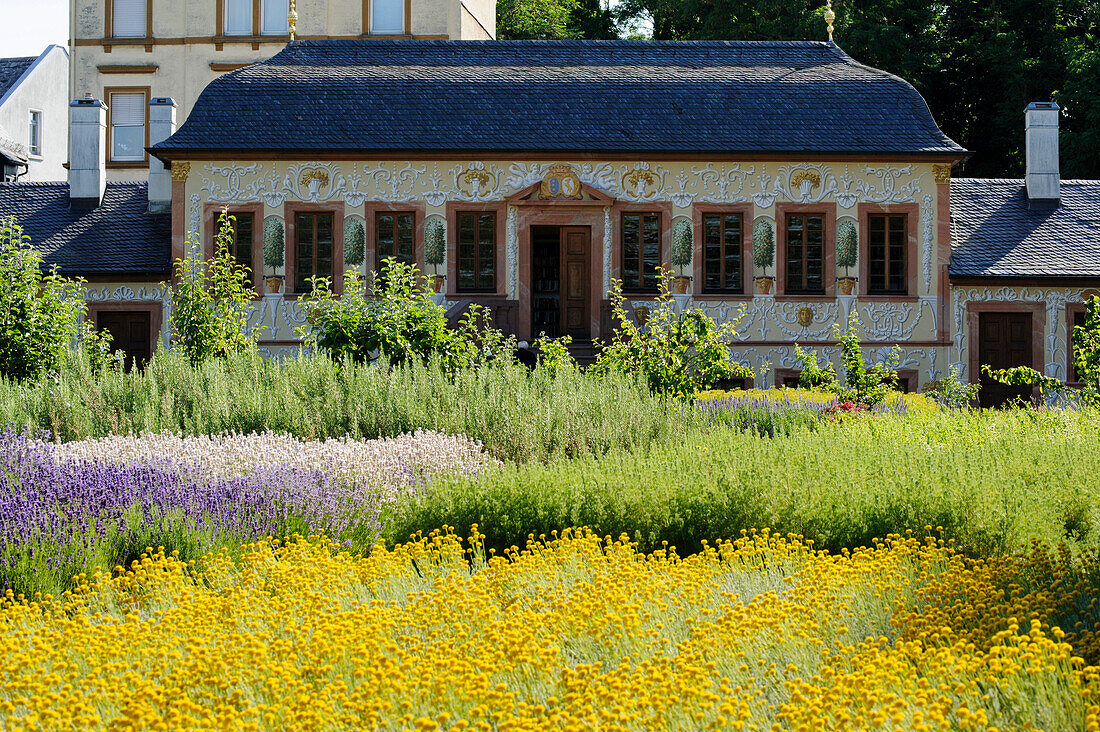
518, 415
992, 480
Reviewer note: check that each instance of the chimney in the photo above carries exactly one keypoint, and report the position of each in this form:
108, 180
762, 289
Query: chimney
162, 125
1043, 177
88, 154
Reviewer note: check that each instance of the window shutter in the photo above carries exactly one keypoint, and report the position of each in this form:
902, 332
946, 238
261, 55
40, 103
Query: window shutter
387, 17
128, 110
274, 16
128, 18
238, 17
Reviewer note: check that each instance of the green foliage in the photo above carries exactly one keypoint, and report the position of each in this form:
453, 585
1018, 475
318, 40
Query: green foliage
862, 385
535, 19
39, 312
682, 243
274, 242
952, 393
997, 56
993, 480
1086, 359
435, 246
95, 346
354, 242
554, 355
211, 300
399, 325
518, 415
478, 344
763, 245
677, 355
847, 245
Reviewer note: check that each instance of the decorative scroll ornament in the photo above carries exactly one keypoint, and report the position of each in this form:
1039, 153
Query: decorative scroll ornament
888, 189
227, 183
928, 242
180, 171
561, 182
722, 186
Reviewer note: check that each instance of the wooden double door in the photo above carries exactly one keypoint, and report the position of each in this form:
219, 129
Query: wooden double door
561, 281
131, 332
1004, 342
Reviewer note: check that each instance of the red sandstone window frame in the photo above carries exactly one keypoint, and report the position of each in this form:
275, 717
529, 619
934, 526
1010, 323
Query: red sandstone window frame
211, 216
911, 212
291, 211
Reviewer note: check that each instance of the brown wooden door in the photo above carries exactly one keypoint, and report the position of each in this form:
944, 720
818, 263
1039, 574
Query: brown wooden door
576, 304
1004, 341
130, 333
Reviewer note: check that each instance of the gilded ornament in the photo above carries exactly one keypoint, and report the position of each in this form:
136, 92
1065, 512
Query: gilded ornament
311, 174
560, 182
639, 181
942, 173
805, 316
803, 176
830, 16
180, 171
292, 19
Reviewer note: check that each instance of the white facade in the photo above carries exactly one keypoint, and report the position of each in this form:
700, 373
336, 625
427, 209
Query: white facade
35, 113
186, 45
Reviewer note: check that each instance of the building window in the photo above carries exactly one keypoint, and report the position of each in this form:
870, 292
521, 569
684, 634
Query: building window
238, 17
313, 249
128, 18
243, 227
641, 234
805, 254
477, 252
274, 17
722, 253
394, 238
36, 134
127, 123
387, 17
887, 272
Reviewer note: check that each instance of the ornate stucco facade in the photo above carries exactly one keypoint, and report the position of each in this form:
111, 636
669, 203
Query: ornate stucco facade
769, 324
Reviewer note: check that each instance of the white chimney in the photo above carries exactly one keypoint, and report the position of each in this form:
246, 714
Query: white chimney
1043, 177
88, 154
162, 125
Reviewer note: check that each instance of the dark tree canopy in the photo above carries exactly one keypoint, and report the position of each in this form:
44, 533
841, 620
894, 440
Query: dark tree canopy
978, 63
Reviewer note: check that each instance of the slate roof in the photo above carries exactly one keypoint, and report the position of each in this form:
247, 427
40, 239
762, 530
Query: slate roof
560, 96
11, 150
117, 237
994, 234
11, 69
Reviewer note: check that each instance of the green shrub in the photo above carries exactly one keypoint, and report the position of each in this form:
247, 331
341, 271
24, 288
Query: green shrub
677, 355
211, 299
40, 311
516, 414
863, 385
992, 480
951, 393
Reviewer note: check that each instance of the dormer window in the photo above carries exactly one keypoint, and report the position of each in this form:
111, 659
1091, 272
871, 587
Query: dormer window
387, 17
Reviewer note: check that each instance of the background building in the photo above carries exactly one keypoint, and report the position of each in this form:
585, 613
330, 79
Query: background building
34, 116
126, 52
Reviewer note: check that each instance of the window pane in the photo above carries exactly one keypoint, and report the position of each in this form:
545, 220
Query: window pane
127, 108
36, 133
274, 16
242, 240
384, 237
324, 228
387, 16
128, 18
406, 238
487, 228
238, 17
651, 251
128, 143
815, 254
732, 244
631, 223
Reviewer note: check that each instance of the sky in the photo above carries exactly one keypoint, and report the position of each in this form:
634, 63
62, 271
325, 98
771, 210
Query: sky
28, 26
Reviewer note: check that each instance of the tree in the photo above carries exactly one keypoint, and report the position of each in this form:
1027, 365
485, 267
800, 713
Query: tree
40, 310
211, 300
535, 19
